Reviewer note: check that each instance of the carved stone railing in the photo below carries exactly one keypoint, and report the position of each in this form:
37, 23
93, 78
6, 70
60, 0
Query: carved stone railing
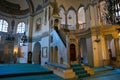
73, 27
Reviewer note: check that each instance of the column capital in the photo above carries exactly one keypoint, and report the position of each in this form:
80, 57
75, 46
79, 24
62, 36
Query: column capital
116, 43
66, 13
115, 35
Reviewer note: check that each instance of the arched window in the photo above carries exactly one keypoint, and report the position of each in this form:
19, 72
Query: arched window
81, 18
62, 15
21, 27
3, 25
71, 20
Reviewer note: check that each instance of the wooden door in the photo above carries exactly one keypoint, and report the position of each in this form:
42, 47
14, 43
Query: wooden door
72, 52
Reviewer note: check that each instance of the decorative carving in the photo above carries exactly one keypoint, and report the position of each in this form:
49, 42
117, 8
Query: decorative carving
115, 35
12, 8
97, 39
38, 24
72, 40
109, 11
103, 7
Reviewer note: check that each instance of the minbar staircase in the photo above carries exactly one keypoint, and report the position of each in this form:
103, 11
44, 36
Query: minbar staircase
79, 71
62, 35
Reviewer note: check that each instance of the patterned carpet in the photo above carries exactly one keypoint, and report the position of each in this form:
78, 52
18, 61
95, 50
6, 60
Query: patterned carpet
36, 73
26, 72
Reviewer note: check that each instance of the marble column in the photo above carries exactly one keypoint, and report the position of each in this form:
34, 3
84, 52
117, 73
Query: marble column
66, 27
77, 24
30, 28
116, 43
79, 52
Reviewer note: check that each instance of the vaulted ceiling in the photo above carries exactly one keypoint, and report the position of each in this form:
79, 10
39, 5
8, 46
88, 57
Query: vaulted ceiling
21, 7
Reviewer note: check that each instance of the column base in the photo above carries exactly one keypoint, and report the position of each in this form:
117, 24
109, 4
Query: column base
116, 64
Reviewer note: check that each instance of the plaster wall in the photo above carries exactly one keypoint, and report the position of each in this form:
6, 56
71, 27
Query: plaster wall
44, 42
97, 53
62, 50
44, 26
89, 51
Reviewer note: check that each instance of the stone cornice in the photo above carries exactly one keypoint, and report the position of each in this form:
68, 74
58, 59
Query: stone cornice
95, 30
14, 16
81, 33
109, 30
105, 30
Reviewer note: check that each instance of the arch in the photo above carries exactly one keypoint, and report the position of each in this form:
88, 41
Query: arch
110, 44
37, 53
80, 6
21, 27
71, 19
71, 8
62, 15
3, 25
72, 52
31, 6
81, 18
61, 6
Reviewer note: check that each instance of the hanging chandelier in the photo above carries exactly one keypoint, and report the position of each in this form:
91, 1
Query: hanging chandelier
10, 37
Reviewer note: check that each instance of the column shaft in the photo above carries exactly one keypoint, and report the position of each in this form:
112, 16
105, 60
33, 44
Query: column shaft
116, 42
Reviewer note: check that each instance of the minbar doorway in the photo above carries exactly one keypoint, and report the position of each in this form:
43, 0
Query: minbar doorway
72, 52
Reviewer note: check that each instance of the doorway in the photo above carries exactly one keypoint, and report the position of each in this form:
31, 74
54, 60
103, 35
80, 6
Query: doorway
37, 53
72, 52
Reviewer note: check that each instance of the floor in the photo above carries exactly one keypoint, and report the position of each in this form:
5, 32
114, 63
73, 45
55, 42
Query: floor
104, 73
35, 77
26, 72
